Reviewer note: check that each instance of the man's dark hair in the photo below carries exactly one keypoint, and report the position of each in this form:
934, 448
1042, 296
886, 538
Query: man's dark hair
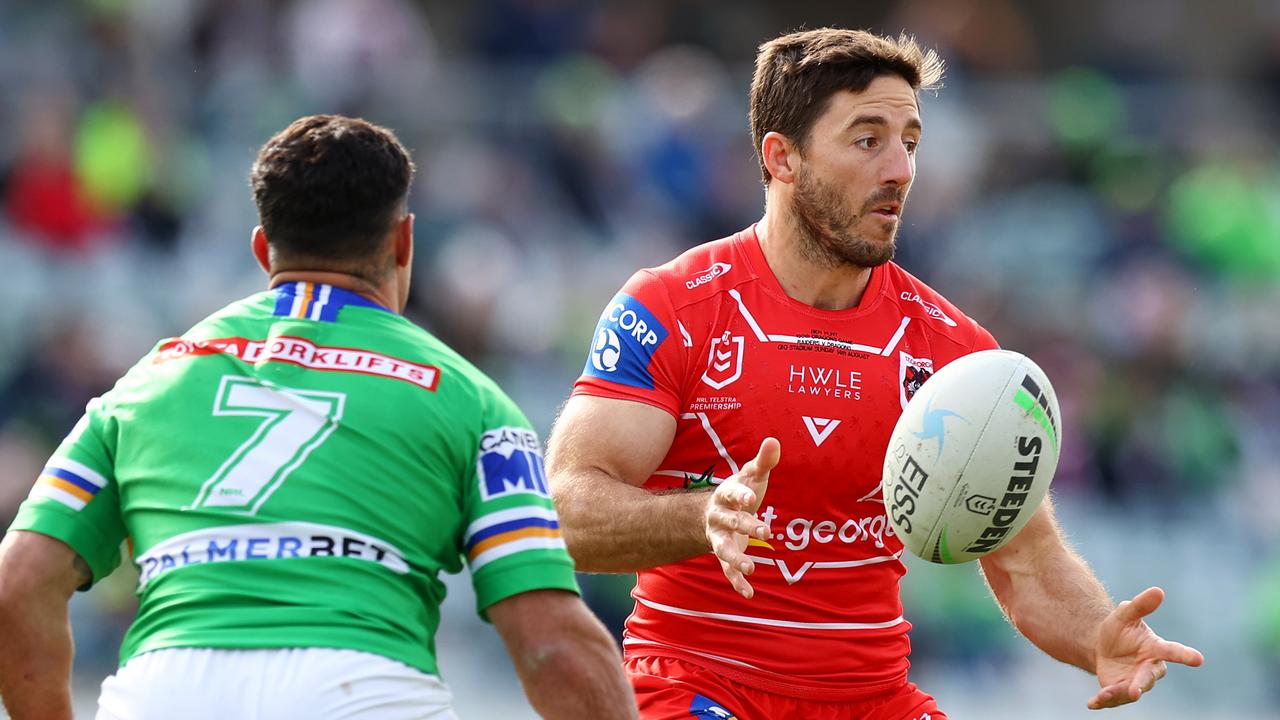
796, 74
329, 189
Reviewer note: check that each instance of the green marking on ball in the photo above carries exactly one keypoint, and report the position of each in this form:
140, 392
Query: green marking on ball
1028, 403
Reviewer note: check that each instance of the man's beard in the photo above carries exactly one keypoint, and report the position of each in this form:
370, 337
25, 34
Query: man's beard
828, 234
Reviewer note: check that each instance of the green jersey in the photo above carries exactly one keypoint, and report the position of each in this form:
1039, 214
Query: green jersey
296, 471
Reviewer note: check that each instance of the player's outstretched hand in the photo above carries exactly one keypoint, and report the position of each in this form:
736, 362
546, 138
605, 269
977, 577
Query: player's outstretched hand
731, 515
1130, 657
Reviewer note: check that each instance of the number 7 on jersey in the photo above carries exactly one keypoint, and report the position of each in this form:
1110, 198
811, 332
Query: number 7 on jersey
295, 422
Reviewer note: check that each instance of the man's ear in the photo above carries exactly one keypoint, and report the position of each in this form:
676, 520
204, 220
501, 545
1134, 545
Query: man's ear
404, 241
261, 253
781, 157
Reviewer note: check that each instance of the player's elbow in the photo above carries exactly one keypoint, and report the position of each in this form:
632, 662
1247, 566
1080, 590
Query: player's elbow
16, 592
557, 658
574, 508
581, 661
576, 637
564, 494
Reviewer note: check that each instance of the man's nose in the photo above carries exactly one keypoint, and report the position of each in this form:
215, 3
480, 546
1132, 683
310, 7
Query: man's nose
899, 167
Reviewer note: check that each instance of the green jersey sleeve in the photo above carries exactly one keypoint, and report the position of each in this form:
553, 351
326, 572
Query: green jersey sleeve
76, 499
512, 539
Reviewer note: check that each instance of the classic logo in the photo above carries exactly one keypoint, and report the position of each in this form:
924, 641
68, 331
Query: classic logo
724, 361
703, 277
930, 309
820, 428
912, 372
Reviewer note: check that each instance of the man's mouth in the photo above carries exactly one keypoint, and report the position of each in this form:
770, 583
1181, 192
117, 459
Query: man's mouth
888, 211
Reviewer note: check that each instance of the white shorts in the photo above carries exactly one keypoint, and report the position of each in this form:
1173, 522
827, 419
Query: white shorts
276, 684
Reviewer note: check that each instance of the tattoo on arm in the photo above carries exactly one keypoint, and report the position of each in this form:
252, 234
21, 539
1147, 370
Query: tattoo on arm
83, 572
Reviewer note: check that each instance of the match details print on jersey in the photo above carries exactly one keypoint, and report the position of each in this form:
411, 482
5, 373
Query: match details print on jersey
714, 340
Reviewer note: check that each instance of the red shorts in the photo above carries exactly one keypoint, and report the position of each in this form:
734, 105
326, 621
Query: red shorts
671, 689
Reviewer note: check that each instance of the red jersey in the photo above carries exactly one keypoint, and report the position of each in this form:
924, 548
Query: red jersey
712, 338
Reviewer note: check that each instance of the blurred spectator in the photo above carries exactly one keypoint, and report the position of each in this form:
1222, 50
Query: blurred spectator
47, 200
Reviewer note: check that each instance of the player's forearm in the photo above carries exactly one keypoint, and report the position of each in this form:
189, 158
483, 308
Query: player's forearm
584, 679
611, 526
35, 658
1050, 595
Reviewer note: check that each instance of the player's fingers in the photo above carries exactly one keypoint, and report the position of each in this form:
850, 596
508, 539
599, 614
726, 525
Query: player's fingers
729, 553
733, 494
1143, 680
757, 470
736, 522
733, 575
1177, 652
1110, 696
739, 583
1142, 605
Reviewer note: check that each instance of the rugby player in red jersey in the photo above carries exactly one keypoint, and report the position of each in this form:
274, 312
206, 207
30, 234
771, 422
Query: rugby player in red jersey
789, 350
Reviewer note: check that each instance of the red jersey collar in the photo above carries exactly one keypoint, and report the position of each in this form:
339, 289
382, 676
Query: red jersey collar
749, 243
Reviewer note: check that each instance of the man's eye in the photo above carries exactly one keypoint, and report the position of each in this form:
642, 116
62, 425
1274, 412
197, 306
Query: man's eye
866, 143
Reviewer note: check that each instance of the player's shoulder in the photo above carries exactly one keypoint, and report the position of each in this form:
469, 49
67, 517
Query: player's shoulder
703, 272
916, 299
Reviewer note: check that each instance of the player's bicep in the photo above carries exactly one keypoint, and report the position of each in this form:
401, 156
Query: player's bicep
622, 439
35, 565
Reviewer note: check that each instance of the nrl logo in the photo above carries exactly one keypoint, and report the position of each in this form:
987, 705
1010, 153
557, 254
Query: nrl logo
724, 362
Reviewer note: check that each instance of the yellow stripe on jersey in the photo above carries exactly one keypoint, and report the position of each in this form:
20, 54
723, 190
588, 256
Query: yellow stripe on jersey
66, 487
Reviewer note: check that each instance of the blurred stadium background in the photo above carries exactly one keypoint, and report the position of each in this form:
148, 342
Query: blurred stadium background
1099, 185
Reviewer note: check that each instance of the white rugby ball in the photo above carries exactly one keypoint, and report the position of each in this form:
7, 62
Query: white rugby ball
972, 456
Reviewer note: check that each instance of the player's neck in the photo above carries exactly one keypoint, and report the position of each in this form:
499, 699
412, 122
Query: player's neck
804, 278
383, 294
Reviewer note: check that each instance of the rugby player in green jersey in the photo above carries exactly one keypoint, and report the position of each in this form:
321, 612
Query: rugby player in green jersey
291, 477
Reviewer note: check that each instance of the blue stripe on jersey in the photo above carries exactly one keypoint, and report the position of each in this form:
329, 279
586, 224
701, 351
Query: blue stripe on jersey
284, 299
72, 478
508, 527
337, 299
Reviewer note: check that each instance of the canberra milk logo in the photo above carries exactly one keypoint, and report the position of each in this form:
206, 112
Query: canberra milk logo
705, 276
932, 310
626, 338
511, 462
